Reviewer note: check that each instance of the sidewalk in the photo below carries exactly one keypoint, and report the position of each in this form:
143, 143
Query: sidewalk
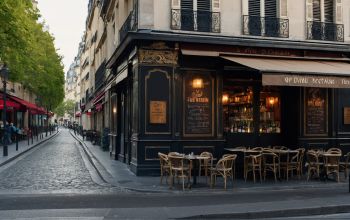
118, 174
23, 147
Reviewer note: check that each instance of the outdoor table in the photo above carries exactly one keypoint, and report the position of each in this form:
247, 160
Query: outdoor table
245, 152
195, 159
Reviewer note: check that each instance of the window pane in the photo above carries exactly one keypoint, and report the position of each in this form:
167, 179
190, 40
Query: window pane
238, 109
270, 110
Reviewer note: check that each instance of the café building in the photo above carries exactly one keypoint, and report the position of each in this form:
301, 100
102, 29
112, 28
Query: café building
188, 97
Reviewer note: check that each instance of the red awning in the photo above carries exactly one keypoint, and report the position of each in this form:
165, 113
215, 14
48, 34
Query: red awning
9, 105
99, 107
25, 103
99, 97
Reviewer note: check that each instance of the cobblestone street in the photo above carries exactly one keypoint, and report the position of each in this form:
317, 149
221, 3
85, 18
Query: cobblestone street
55, 167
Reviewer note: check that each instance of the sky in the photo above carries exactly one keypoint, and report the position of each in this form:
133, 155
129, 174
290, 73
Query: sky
66, 21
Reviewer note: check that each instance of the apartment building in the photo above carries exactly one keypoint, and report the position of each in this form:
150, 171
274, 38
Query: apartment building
203, 75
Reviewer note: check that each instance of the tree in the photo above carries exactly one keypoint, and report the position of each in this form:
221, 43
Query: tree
66, 107
29, 52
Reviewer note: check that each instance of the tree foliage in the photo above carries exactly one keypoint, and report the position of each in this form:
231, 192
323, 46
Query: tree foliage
66, 107
28, 49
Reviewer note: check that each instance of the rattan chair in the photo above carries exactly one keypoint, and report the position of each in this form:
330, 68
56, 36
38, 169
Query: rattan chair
224, 169
164, 167
270, 164
290, 162
331, 162
300, 161
252, 164
345, 165
205, 164
180, 168
313, 164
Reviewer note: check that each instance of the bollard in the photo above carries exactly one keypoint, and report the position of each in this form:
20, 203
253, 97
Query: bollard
31, 133
28, 137
16, 142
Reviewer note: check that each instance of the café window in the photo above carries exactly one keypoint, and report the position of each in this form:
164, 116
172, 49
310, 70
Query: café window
270, 110
238, 109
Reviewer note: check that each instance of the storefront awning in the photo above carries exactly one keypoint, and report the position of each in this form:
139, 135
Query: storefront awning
10, 105
297, 72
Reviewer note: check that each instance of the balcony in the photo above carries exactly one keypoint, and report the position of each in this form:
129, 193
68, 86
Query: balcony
189, 20
325, 31
129, 25
265, 26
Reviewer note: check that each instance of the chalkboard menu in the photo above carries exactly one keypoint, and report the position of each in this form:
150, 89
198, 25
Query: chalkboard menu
316, 117
198, 107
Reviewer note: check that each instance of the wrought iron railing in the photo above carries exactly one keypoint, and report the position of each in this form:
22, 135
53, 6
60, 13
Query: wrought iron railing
325, 31
265, 26
129, 25
189, 20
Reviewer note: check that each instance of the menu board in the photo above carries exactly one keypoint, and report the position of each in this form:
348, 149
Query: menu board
316, 116
198, 106
346, 115
157, 112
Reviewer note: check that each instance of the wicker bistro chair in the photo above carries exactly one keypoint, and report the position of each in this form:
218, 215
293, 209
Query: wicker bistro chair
289, 162
345, 165
331, 163
224, 169
253, 163
301, 161
180, 167
205, 164
270, 164
164, 166
313, 164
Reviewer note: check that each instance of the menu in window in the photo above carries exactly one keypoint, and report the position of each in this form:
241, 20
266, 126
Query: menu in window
316, 116
198, 108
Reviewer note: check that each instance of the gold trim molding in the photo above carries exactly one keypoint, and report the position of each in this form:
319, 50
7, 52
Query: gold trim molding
158, 56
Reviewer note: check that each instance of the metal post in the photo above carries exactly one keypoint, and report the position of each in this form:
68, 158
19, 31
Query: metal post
5, 149
16, 141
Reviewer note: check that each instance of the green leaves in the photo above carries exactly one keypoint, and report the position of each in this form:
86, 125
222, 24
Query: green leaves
65, 107
29, 51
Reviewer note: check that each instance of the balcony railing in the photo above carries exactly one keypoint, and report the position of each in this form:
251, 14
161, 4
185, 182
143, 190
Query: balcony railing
129, 25
189, 20
265, 26
325, 31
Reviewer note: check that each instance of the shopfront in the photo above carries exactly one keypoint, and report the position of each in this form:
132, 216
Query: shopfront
184, 98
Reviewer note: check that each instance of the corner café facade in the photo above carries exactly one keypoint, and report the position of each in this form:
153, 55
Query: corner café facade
187, 97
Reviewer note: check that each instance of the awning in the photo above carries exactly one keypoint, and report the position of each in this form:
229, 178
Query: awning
25, 103
9, 105
78, 114
99, 107
99, 97
297, 72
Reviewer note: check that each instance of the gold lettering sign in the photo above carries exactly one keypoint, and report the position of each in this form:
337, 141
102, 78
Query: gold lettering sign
347, 115
157, 112
305, 81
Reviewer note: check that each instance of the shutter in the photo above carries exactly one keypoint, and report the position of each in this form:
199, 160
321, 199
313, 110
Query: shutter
215, 6
254, 8
283, 8
309, 11
328, 11
175, 4
271, 8
203, 5
316, 10
338, 12
187, 4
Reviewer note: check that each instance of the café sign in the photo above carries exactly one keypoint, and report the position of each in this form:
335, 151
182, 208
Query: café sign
305, 81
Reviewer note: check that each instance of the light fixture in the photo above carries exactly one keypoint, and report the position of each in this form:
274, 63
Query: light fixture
271, 100
114, 110
225, 98
197, 83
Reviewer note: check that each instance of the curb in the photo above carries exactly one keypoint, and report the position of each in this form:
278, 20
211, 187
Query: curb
93, 160
25, 151
300, 212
